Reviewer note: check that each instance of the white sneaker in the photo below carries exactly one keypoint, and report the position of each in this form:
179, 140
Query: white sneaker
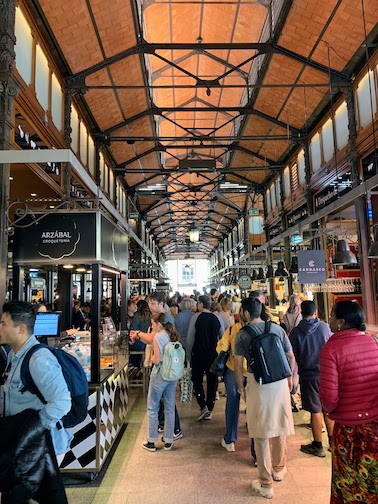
204, 413
217, 396
279, 475
264, 492
230, 447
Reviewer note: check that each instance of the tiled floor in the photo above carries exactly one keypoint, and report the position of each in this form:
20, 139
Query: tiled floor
198, 470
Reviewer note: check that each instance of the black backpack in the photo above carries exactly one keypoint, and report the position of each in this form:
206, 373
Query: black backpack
75, 378
267, 357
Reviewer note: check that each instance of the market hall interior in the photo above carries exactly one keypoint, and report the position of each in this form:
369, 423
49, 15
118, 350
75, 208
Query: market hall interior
140, 132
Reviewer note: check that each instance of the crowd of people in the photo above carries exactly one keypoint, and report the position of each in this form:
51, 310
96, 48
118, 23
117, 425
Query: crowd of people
326, 362
336, 365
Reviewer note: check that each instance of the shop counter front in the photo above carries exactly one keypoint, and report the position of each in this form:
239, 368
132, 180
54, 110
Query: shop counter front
107, 411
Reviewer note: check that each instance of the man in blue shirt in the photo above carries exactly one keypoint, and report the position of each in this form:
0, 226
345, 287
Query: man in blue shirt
16, 330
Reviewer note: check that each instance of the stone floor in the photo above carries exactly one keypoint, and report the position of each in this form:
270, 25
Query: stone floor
198, 470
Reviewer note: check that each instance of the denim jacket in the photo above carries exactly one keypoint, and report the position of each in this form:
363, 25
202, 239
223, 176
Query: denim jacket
48, 377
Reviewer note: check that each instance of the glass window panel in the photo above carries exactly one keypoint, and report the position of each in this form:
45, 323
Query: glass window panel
42, 74
341, 126
102, 171
301, 167
56, 103
24, 47
111, 184
83, 143
91, 157
287, 189
315, 153
75, 130
267, 201
327, 141
366, 99
278, 191
273, 196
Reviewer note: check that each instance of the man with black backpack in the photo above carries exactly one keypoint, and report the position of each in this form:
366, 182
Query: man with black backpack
16, 330
267, 393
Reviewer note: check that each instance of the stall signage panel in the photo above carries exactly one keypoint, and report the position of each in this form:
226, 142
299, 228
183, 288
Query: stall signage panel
311, 266
341, 185
276, 230
370, 165
297, 215
56, 237
37, 283
114, 245
245, 282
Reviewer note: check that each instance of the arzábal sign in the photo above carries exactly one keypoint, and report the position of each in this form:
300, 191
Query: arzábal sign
311, 266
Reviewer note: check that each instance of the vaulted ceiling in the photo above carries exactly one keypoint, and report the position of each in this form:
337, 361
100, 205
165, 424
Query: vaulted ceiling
200, 102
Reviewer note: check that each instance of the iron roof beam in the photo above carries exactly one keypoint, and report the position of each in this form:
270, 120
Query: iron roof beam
151, 48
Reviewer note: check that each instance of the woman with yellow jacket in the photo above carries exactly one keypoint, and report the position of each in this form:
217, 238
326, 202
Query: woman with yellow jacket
233, 396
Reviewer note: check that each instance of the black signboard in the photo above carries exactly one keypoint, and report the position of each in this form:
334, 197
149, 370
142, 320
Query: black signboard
56, 238
275, 230
370, 165
297, 215
339, 186
114, 245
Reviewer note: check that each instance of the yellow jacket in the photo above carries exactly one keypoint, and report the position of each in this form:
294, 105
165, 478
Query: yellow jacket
228, 339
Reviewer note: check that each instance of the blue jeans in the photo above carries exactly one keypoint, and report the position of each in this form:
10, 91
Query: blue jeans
161, 417
160, 388
232, 407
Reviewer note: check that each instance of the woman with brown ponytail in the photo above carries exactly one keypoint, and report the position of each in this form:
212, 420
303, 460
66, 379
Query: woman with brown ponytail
161, 334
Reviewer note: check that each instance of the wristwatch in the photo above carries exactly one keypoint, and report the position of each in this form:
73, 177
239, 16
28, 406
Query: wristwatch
137, 335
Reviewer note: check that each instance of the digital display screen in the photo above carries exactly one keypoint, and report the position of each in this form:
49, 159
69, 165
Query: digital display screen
47, 324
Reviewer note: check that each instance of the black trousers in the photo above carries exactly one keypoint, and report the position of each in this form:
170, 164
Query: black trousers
199, 368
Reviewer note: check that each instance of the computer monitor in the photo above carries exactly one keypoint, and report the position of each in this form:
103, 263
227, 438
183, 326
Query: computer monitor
47, 324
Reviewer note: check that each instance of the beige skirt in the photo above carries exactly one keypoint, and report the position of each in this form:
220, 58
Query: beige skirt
268, 409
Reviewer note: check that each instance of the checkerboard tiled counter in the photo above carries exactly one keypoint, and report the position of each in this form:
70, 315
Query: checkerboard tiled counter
93, 438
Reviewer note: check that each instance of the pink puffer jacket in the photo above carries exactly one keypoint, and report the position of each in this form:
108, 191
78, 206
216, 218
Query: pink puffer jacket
349, 377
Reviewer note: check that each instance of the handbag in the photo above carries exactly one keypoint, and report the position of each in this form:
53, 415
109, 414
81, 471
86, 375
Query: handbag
186, 386
148, 353
218, 367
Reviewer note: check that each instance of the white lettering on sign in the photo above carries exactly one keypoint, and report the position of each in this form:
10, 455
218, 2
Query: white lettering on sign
56, 237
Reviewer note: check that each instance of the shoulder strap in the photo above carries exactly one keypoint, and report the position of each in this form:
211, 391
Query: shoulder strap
268, 325
26, 376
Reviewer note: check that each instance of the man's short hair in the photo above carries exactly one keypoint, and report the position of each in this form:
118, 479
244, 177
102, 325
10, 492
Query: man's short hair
157, 296
188, 304
308, 308
205, 300
21, 312
253, 306
212, 291
256, 294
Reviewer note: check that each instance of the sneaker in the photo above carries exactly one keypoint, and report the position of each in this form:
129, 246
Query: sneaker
149, 446
264, 492
310, 449
230, 447
168, 446
279, 475
204, 412
208, 416
176, 436
160, 429
217, 396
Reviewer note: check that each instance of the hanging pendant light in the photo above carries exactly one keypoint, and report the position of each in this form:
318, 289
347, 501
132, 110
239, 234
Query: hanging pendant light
281, 270
260, 275
343, 254
194, 235
373, 249
269, 271
254, 275
294, 265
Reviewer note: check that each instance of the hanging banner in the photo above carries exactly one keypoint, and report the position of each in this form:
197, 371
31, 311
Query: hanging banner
311, 266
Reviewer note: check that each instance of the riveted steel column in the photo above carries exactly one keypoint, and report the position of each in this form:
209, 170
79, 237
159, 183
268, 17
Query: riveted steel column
8, 91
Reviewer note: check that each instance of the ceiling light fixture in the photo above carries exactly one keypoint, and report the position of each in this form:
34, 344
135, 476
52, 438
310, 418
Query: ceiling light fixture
194, 235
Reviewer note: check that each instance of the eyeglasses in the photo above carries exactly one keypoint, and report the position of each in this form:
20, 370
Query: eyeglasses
5, 375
